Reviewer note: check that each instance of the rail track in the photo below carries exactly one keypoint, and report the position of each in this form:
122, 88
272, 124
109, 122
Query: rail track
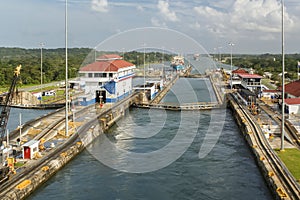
289, 128
57, 114
287, 187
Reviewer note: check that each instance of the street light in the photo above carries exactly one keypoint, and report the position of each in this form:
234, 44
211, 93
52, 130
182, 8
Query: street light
41, 45
283, 90
66, 78
163, 64
144, 69
231, 45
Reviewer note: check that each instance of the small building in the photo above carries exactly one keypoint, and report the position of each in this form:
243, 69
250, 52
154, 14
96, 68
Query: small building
30, 149
235, 79
106, 80
49, 93
246, 79
251, 82
151, 88
292, 105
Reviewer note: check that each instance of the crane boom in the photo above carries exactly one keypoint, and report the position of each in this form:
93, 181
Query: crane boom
6, 107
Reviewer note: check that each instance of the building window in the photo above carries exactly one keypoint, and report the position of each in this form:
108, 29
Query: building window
100, 75
110, 75
90, 75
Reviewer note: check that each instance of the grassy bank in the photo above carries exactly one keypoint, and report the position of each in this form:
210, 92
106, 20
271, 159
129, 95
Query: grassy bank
291, 158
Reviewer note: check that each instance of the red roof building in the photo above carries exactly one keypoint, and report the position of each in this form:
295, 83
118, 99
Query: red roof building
108, 79
251, 76
292, 101
239, 71
292, 105
106, 66
292, 89
109, 57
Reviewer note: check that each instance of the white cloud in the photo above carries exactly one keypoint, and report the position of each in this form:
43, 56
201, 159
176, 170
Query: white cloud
140, 8
169, 15
195, 26
245, 15
156, 22
100, 5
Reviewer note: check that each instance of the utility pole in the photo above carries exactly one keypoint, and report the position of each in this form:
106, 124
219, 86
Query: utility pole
283, 77
41, 45
66, 81
144, 69
231, 45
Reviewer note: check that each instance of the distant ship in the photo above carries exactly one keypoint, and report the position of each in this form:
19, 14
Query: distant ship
178, 63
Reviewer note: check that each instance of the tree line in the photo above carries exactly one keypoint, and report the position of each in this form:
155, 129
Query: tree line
268, 63
53, 67
53, 62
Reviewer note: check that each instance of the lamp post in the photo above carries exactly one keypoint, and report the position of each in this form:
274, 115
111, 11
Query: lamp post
144, 69
66, 78
283, 89
41, 45
163, 64
231, 45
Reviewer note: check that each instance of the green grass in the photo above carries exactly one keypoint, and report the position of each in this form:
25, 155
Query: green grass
291, 158
19, 164
266, 82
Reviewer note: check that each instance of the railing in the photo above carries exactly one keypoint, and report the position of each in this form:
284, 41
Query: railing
184, 106
244, 83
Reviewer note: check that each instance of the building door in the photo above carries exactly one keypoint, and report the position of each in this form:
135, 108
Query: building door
26, 153
100, 94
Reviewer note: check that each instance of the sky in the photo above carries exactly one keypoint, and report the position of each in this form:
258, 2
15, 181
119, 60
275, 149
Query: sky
253, 26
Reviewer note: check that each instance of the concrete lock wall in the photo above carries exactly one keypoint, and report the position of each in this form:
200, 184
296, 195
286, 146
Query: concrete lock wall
265, 169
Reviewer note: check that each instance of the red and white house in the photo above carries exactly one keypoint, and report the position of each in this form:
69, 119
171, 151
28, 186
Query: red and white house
292, 90
251, 81
247, 80
292, 97
108, 79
